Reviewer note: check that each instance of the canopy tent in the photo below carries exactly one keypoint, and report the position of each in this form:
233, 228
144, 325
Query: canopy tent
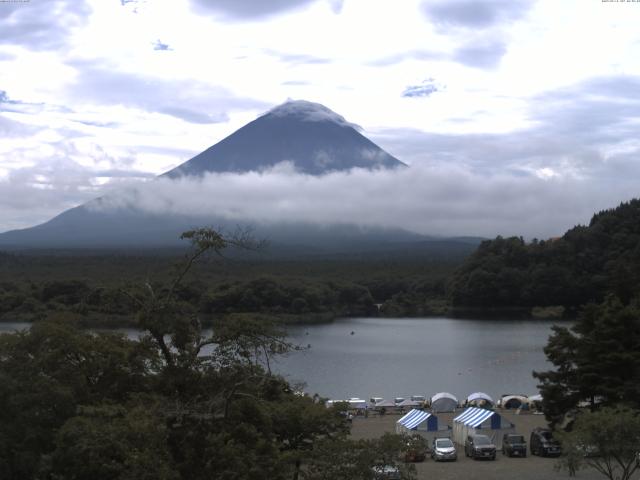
534, 398
422, 423
357, 403
443, 402
384, 404
475, 421
410, 403
480, 399
512, 401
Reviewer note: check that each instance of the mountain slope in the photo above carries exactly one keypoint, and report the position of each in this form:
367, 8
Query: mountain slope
311, 137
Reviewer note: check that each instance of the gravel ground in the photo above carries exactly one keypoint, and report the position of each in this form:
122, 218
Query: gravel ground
529, 468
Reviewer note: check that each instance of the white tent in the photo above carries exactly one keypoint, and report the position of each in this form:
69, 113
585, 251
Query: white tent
410, 403
443, 402
422, 423
384, 404
481, 421
357, 403
512, 401
480, 399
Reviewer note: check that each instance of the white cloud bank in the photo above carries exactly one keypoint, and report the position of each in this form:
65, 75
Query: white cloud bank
430, 200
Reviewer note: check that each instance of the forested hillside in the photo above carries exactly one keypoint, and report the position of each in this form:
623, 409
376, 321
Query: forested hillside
582, 266
309, 289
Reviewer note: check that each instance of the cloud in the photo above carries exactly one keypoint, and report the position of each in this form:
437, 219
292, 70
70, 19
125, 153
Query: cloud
581, 130
250, 9
41, 25
296, 58
188, 100
310, 112
56, 178
419, 54
12, 128
296, 83
486, 55
475, 14
442, 200
16, 106
425, 89
158, 45
336, 5
580, 155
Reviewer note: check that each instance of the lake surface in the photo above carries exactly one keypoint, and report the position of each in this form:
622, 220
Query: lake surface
418, 356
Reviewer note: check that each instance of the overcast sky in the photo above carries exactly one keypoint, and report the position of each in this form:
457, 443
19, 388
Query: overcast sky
517, 116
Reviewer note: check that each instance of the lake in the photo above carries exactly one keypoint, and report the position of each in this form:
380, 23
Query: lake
417, 356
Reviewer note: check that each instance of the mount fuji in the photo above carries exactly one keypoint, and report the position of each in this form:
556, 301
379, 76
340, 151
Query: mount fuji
308, 136
313, 138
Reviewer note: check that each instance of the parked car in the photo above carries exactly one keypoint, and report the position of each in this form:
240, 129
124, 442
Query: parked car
514, 444
479, 446
443, 449
386, 472
542, 443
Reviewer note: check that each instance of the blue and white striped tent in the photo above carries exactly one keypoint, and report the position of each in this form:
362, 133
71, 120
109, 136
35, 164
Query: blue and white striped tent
417, 420
480, 421
423, 423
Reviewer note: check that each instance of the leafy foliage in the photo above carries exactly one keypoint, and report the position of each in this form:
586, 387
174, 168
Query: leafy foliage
178, 402
355, 460
596, 361
607, 440
580, 267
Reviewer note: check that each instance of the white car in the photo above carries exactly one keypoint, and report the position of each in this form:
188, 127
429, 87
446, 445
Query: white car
443, 449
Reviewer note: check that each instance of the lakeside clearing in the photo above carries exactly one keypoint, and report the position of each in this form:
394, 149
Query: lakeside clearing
503, 468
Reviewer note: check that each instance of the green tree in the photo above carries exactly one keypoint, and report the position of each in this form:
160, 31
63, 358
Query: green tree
179, 402
607, 440
123, 442
596, 361
47, 373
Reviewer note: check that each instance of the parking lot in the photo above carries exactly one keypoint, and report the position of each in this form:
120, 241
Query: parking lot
529, 468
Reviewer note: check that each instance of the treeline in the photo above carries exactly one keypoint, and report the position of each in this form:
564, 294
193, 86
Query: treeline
312, 290
580, 267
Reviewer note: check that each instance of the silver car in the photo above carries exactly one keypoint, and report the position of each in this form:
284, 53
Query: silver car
443, 449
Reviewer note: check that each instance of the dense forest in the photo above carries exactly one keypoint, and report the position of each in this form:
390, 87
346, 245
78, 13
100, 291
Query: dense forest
504, 274
580, 267
91, 285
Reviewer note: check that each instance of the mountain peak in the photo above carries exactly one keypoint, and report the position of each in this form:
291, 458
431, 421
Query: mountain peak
307, 135
309, 112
